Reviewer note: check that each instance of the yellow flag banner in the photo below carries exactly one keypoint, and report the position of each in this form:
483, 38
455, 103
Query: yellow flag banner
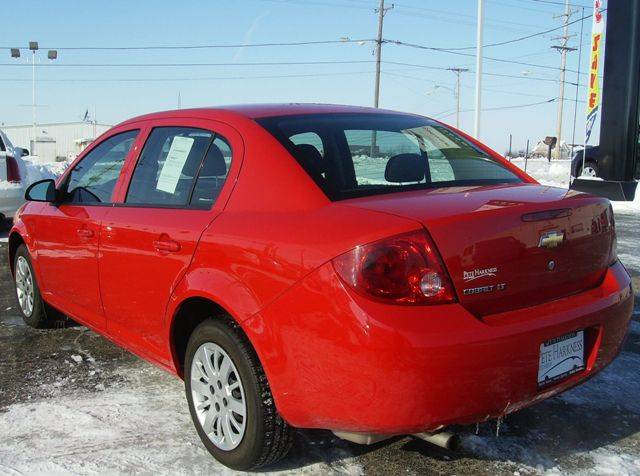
597, 39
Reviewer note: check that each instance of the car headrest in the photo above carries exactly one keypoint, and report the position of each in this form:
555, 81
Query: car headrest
214, 164
405, 168
309, 153
310, 156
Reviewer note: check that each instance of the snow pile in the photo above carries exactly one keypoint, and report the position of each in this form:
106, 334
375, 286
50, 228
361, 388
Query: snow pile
555, 173
4, 185
32, 170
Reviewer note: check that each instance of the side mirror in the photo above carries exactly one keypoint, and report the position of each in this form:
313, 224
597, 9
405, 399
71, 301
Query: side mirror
42, 191
20, 152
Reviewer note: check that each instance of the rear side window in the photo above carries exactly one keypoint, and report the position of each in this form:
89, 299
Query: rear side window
212, 174
180, 166
93, 179
367, 154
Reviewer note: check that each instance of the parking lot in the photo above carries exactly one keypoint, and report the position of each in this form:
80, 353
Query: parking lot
72, 402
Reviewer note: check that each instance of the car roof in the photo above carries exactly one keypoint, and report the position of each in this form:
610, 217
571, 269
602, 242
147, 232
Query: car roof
256, 111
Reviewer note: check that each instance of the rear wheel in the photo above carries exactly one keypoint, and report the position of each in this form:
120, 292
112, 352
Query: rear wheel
27, 292
230, 400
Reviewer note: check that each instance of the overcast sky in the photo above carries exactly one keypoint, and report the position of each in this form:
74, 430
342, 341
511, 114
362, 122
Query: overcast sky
422, 84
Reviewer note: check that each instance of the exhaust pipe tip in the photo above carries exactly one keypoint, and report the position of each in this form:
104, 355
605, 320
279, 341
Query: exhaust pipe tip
443, 439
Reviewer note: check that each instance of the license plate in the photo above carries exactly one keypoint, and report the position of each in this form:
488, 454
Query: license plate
560, 357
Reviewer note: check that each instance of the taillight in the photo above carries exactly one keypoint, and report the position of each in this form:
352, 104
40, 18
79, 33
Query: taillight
13, 172
404, 269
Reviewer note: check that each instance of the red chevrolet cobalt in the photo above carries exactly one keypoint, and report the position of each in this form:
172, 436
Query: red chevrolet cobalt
364, 271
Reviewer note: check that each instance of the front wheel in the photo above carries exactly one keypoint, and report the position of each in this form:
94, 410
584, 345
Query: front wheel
230, 401
27, 291
590, 169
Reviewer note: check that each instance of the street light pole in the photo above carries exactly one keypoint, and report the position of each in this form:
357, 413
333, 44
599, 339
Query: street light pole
33, 46
480, 27
52, 55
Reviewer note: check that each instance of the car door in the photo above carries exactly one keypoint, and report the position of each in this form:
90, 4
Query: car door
149, 237
68, 231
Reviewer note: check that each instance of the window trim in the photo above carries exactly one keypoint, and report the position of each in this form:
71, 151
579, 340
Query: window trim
188, 205
64, 183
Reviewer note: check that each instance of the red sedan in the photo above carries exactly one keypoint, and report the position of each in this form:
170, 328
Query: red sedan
364, 271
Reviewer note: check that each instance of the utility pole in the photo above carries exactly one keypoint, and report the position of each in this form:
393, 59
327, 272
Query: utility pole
575, 104
381, 11
479, 40
458, 71
563, 48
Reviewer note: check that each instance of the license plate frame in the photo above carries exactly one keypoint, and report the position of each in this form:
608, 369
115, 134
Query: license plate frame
561, 357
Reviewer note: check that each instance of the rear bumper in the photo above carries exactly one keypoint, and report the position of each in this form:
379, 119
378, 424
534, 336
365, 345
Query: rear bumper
337, 361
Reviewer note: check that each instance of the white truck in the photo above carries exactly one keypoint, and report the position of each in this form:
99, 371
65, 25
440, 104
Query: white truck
11, 180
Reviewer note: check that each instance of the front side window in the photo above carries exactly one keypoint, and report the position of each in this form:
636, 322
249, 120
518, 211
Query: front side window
93, 179
180, 166
367, 154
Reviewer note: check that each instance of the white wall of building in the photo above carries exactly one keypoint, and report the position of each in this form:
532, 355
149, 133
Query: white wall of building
68, 137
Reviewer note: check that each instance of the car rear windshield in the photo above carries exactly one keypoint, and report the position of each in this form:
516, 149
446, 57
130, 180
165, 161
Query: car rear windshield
351, 155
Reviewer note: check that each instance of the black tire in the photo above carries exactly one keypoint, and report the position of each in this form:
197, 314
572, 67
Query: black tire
267, 436
589, 163
38, 317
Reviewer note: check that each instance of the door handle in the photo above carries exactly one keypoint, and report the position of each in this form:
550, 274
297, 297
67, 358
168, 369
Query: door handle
166, 245
85, 233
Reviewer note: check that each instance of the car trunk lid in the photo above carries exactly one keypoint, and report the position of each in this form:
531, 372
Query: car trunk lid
511, 246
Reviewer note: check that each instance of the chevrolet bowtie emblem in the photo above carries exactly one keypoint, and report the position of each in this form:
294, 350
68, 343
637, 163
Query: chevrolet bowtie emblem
551, 239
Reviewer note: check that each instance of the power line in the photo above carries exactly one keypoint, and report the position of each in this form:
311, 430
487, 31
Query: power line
471, 55
489, 89
551, 2
522, 38
200, 47
258, 63
206, 78
499, 75
501, 108
267, 63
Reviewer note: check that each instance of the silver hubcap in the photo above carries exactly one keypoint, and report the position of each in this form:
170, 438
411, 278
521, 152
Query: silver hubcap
589, 171
218, 396
24, 286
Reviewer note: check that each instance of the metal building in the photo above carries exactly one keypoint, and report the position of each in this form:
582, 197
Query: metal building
56, 141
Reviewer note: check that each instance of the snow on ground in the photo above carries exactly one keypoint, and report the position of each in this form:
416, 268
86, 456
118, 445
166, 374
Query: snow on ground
140, 427
555, 173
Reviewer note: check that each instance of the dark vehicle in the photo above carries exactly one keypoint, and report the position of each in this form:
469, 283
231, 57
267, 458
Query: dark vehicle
591, 168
